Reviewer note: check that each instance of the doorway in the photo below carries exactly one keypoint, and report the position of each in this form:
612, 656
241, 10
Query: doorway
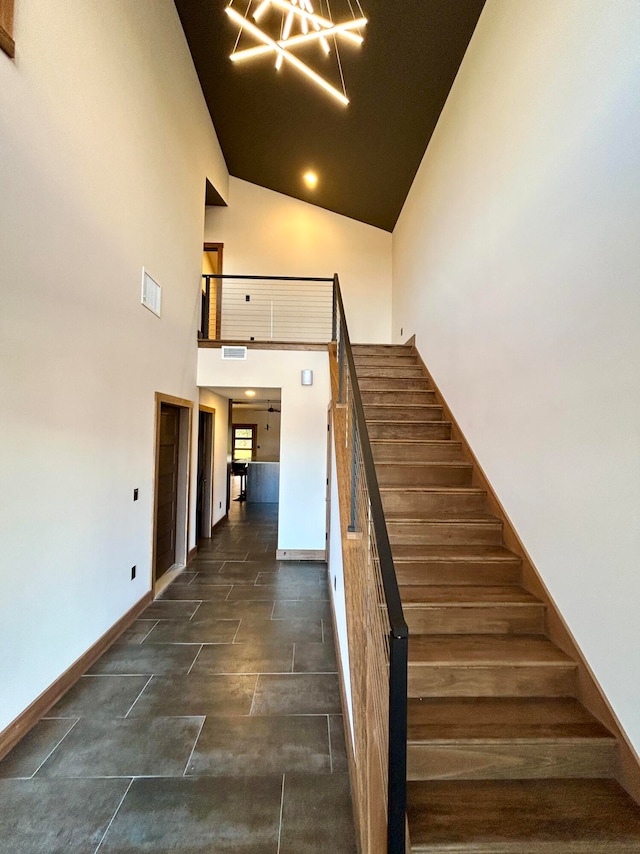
212, 265
204, 498
171, 488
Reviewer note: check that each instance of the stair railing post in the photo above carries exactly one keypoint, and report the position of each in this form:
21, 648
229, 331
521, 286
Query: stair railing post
341, 366
206, 307
354, 470
397, 766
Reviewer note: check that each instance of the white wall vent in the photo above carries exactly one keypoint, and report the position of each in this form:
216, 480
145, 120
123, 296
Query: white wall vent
151, 293
234, 352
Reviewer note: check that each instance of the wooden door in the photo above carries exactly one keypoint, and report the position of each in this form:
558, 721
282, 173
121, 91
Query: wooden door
167, 488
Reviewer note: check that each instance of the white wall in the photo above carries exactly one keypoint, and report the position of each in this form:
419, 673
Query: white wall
267, 233
220, 450
516, 263
303, 432
106, 144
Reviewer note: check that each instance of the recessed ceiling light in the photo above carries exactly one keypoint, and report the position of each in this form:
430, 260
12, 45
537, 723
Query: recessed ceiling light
310, 179
250, 393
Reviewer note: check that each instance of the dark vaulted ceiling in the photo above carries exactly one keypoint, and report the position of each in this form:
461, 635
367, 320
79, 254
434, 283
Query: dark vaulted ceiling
273, 126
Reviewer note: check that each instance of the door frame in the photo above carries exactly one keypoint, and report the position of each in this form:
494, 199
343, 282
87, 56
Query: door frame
184, 489
209, 463
219, 248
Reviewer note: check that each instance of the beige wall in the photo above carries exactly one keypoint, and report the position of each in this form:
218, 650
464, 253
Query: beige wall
303, 432
267, 233
516, 262
105, 145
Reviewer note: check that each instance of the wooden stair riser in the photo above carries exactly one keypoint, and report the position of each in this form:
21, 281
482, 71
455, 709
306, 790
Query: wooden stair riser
396, 371
419, 452
520, 619
457, 573
417, 502
506, 760
392, 397
393, 429
397, 412
492, 680
549, 816
382, 349
450, 532
527, 846
426, 474
381, 361
398, 385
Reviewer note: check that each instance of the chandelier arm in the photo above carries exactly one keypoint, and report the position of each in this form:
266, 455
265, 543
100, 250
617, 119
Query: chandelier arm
338, 29
289, 57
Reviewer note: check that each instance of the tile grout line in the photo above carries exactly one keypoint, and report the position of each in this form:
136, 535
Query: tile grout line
56, 746
253, 699
293, 659
195, 742
148, 633
281, 813
197, 655
108, 827
139, 695
330, 750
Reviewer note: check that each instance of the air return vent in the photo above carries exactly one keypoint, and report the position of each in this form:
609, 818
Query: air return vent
234, 353
151, 293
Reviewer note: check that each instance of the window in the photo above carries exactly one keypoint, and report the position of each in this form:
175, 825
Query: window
244, 442
6, 27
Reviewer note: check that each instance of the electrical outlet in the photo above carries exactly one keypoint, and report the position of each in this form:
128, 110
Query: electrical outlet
247, 298
220, 505
135, 494
133, 572
402, 330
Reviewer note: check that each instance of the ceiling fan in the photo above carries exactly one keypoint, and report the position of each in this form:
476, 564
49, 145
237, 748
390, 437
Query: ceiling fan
270, 408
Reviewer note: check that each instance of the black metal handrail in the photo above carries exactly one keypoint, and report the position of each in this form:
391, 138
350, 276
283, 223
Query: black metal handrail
399, 632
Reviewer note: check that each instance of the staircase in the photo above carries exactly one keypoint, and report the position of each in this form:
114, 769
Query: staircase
501, 755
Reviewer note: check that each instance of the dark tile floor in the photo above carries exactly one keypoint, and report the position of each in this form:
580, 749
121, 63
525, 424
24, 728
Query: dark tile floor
213, 725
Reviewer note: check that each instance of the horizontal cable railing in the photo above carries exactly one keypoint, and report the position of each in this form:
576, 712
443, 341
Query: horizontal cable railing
378, 633
267, 308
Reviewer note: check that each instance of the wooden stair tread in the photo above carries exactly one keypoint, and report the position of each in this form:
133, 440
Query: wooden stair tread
439, 551
412, 464
468, 595
359, 348
427, 442
504, 816
501, 718
455, 490
444, 518
391, 407
512, 650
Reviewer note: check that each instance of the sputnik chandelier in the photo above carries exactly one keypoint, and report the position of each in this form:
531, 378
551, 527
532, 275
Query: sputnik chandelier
296, 24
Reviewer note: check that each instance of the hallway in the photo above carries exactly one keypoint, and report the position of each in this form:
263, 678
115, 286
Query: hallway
213, 725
